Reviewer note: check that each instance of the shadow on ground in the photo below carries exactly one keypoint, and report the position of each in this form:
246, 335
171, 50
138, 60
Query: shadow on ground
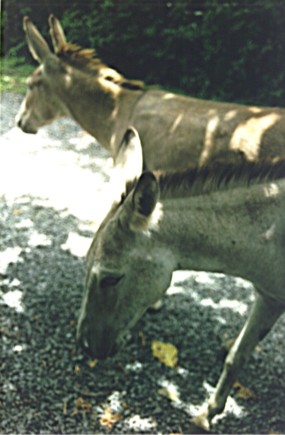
52, 197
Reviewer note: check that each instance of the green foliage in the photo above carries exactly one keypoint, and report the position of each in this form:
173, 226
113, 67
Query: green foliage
216, 49
14, 72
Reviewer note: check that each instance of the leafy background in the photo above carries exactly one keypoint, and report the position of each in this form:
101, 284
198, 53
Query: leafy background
224, 50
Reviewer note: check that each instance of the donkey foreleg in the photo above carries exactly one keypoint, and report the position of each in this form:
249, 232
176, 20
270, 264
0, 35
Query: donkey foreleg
263, 315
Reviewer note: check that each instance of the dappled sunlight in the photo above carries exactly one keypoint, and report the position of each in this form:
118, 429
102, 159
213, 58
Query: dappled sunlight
139, 424
209, 141
37, 239
76, 244
231, 114
185, 282
269, 233
40, 166
236, 306
248, 135
271, 190
231, 407
13, 299
176, 123
54, 193
168, 96
171, 391
8, 256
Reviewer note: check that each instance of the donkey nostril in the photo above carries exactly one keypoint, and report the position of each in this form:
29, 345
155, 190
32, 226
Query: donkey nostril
19, 123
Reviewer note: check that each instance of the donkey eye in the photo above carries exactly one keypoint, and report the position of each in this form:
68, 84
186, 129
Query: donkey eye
110, 281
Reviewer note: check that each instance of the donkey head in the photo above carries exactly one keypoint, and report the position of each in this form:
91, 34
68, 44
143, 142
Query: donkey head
42, 105
126, 272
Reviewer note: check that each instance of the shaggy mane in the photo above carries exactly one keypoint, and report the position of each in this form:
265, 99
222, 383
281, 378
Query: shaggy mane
87, 59
76, 56
213, 177
218, 176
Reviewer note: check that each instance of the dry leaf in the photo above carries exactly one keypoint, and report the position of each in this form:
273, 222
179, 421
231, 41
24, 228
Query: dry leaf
64, 408
77, 368
108, 418
165, 353
82, 404
244, 392
16, 212
92, 363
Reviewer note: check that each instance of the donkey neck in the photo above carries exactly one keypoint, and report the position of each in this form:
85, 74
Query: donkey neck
223, 231
100, 106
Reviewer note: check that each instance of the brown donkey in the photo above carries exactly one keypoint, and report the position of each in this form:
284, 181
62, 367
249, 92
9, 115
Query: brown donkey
175, 130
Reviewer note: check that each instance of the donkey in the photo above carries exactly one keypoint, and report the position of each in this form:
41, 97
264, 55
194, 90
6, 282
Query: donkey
222, 217
74, 82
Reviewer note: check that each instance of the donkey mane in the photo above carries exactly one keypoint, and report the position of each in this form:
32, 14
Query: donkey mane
219, 176
87, 60
213, 177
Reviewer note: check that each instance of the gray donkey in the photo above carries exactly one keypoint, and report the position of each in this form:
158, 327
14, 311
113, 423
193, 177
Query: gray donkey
227, 218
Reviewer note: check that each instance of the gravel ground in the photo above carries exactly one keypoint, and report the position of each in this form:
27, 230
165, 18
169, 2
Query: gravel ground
52, 197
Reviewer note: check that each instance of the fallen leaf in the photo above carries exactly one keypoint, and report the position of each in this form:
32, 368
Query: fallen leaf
108, 418
64, 408
83, 405
165, 353
16, 212
243, 392
92, 363
77, 368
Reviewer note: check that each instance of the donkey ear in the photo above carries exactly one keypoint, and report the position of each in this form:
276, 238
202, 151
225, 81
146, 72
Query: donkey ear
56, 33
144, 201
37, 45
129, 160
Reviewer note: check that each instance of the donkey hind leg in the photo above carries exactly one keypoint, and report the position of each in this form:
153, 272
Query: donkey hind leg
263, 315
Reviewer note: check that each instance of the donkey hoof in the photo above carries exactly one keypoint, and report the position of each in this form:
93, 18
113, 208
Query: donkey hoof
202, 419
